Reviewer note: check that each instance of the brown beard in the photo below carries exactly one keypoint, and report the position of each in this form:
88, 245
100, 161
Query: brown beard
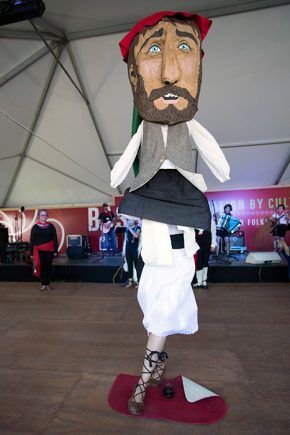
170, 115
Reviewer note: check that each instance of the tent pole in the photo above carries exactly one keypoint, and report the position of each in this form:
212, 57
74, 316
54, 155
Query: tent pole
69, 176
32, 127
57, 59
283, 170
91, 112
26, 63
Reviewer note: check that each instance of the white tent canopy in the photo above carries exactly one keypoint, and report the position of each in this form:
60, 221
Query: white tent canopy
64, 125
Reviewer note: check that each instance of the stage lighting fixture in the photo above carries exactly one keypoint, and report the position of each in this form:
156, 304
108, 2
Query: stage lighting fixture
12, 11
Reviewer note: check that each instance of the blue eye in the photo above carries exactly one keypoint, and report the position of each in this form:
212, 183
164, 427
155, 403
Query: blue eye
184, 46
154, 48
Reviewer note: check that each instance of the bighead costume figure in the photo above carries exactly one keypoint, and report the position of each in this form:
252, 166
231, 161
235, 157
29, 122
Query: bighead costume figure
164, 58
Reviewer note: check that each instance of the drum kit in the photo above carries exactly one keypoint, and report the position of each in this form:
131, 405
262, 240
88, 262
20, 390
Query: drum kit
17, 253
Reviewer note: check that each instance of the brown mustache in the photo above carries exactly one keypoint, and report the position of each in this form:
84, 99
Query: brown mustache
160, 92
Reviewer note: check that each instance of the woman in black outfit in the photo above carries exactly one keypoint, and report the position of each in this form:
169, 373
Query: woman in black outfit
44, 245
132, 241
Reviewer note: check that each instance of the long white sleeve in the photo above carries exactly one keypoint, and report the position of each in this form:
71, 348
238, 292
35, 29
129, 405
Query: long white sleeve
213, 234
209, 150
125, 162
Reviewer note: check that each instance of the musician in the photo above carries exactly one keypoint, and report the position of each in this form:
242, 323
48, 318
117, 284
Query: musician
106, 222
206, 241
222, 233
133, 230
280, 221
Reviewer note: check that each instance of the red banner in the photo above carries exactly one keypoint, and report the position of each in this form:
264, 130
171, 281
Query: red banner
252, 207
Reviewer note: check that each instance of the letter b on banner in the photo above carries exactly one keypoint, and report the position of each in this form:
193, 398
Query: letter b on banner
93, 219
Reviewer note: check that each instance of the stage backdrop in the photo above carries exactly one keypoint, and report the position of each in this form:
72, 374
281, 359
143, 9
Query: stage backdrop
252, 207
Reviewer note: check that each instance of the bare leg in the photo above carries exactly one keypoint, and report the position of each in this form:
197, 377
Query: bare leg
284, 246
227, 241
154, 343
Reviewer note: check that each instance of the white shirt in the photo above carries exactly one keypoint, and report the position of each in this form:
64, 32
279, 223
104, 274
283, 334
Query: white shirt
206, 145
283, 218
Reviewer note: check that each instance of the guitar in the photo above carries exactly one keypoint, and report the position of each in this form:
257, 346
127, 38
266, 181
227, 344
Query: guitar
276, 222
105, 228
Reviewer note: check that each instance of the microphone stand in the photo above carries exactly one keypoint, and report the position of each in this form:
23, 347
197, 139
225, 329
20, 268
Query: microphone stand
16, 228
21, 227
100, 254
214, 213
218, 257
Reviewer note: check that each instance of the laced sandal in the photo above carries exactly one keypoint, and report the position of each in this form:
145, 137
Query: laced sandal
159, 371
136, 406
130, 284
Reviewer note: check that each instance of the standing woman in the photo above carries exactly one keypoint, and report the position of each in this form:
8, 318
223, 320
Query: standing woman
43, 245
206, 241
132, 242
280, 222
221, 231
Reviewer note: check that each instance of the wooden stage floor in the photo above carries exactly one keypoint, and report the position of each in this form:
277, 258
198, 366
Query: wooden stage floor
60, 352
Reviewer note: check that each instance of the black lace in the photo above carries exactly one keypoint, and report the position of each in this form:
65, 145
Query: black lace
161, 356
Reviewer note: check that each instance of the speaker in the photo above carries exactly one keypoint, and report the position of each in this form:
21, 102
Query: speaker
3, 243
77, 252
238, 239
74, 240
263, 258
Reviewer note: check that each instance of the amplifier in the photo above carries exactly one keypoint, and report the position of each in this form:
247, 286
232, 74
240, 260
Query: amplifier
3, 242
238, 239
74, 240
77, 252
3, 236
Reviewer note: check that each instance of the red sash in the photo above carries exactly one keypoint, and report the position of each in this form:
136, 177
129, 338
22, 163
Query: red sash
49, 246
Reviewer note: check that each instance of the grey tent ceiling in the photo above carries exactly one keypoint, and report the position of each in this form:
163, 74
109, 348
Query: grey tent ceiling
66, 105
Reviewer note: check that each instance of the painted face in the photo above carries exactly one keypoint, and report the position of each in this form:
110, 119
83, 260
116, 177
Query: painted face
227, 210
280, 209
166, 77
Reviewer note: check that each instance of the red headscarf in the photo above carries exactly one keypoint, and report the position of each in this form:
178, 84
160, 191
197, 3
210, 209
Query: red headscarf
202, 23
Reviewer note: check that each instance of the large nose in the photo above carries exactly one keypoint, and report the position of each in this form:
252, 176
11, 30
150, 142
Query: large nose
170, 67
